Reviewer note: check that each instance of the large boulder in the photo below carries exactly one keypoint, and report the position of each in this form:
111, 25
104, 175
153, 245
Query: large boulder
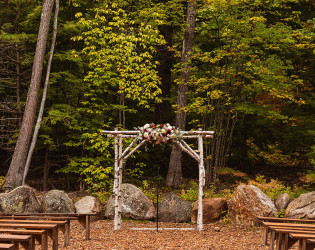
20, 200
87, 205
282, 201
135, 204
302, 207
248, 202
174, 209
212, 208
57, 201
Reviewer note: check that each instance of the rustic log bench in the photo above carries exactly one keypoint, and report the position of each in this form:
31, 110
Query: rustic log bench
39, 235
281, 233
27, 241
83, 219
4, 246
52, 229
64, 225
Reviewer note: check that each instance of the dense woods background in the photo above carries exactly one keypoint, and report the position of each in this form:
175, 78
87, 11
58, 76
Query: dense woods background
248, 75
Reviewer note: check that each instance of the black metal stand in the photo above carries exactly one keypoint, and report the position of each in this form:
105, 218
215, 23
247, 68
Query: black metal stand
157, 200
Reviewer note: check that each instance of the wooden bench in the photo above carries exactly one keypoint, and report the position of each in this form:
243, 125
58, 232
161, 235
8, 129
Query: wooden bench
9, 246
281, 233
279, 220
52, 229
63, 225
39, 235
27, 241
303, 238
83, 219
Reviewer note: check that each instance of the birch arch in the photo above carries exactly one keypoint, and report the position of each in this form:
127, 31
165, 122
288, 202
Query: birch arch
122, 155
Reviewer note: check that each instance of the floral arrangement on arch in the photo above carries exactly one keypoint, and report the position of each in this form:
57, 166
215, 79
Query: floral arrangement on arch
159, 133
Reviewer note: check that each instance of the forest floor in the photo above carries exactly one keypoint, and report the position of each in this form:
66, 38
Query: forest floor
104, 237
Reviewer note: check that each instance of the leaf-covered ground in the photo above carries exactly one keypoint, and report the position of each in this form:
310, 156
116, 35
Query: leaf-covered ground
104, 237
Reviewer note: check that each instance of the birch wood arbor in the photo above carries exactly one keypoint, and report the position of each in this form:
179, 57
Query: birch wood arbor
122, 155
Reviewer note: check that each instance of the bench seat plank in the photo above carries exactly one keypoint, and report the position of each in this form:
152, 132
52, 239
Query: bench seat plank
84, 218
52, 229
285, 219
39, 235
8, 246
26, 241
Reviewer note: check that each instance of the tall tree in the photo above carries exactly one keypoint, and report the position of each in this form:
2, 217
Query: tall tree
44, 95
15, 173
174, 175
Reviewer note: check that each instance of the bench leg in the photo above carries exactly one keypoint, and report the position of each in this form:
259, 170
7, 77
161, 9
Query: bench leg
272, 240
265, 237
67, 233
27, 244
302, 244
55, 239
278, 241
16, 245
88, 222
286, 241
44, 241
85, 222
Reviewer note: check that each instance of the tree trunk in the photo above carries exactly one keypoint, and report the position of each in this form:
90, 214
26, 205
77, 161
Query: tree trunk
15, 173
166, 61
18, 64
42, 104
46, 170
174, 175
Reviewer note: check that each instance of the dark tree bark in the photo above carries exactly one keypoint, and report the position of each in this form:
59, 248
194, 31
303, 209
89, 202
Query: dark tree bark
46, 170
174, 175
44, 95
18, 62
166, 60
15, 173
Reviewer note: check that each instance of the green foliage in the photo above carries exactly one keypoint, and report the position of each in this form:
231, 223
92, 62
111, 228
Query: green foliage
275, 187
281, 214
120, 53
192, 193
149, 189
2, 178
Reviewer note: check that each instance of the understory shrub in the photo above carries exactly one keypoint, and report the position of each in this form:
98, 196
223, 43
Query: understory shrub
275, 187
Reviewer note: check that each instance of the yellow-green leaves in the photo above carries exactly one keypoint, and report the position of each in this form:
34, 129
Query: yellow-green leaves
121, 54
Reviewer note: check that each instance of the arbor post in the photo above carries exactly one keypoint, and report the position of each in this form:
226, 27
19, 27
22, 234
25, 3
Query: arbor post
201, 182
117, 216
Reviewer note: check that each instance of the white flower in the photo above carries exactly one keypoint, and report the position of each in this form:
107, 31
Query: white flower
146, 126
163, 130
145, 134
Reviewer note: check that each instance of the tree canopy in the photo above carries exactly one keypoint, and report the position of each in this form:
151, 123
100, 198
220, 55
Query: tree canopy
118, 64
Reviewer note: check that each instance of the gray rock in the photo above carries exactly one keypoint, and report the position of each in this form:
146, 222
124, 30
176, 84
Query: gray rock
20, 200
174, 209
57, 201
302, 207
282, 201
248, 202
212, 208
135, 204
87, 205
